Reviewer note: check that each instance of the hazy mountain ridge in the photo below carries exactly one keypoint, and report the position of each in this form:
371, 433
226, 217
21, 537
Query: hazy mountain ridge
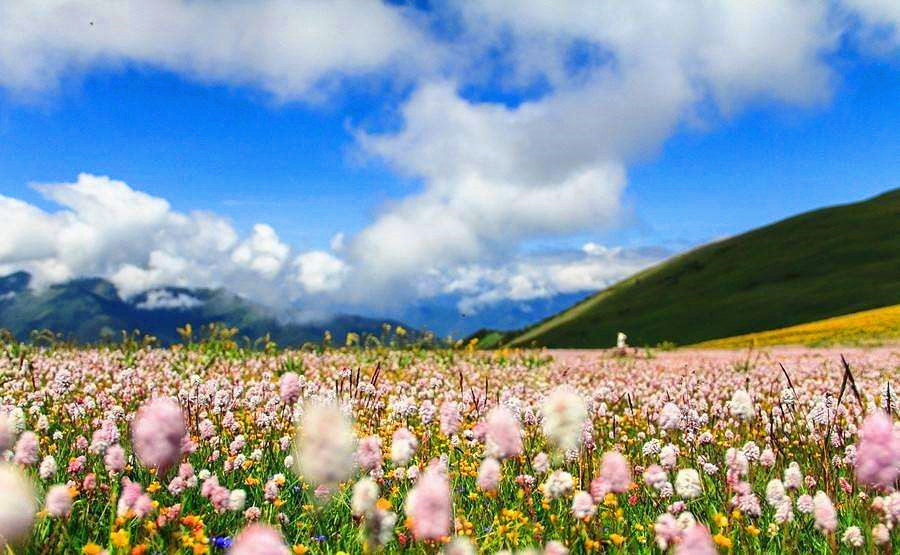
90, 309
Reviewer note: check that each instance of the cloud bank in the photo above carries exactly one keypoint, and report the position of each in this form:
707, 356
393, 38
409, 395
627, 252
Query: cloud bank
520, 122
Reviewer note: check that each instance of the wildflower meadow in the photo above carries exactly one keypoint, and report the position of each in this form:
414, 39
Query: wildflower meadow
210, 448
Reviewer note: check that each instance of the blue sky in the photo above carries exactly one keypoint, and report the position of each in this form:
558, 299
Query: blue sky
477, 151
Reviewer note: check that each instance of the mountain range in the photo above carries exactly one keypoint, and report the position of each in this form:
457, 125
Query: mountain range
91, 309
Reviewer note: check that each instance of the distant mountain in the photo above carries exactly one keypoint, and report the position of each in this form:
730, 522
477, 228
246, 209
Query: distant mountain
819, 264
443, 316
89, 309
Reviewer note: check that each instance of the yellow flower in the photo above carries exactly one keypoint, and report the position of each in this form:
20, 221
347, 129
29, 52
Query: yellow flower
753, 530
720, 520
299, 549
383, 504
153, 487
610, 500
91, 549
722, 540
617, 539
120, 538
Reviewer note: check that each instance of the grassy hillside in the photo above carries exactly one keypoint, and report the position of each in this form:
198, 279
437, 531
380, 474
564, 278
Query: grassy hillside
819, 264
869, 327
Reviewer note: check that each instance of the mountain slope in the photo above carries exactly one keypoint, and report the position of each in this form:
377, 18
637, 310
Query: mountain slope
819, 264
869, 327
90, 309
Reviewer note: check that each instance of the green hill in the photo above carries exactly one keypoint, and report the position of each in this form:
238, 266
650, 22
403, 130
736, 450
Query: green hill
816, 265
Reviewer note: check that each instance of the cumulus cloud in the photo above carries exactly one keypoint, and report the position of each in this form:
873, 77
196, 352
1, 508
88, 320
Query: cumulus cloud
320, 272
290, 49
496, 173
106, 228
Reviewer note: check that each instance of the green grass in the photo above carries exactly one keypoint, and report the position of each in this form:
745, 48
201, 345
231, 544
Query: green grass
816, 265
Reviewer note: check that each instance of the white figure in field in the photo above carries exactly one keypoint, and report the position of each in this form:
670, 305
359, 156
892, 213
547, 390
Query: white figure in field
622, 341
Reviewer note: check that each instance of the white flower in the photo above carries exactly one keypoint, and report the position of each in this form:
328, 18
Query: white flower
687, 483
559, 483
365, 494
741, 405
48, 467
325, 445
564, 413
669, 417
236, 499
853, 536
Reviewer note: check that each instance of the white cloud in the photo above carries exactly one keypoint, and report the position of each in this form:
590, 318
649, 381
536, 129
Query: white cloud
495, 175
881, 22
106, 228
161, 299
320, 272
290, 49
536, 276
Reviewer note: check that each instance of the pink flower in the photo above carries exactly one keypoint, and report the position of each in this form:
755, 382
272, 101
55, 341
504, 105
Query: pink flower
555, 548
583, 505
450, 418
696, 541
157, 433
259, 539
26, 452
17, 505
114, 458
59, 501
667, 530
504, 437
7, 432
428, 505
133, 499
489, 474
368, 453
824, 513
615, 471
289, 386
878, 453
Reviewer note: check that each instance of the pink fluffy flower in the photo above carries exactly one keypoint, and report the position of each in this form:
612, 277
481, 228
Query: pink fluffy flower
17, 505
696, 541
504, 436
489, 474
428, 505
615, 471
583, 505
289, 387
878, 454
114, 459
26, 452
667, 531
450, 418
157, 433
259, 539
368, 453
59, 501
133, 499
824, 513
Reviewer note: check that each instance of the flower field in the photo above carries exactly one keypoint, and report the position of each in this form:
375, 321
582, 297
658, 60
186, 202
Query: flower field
211, 449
